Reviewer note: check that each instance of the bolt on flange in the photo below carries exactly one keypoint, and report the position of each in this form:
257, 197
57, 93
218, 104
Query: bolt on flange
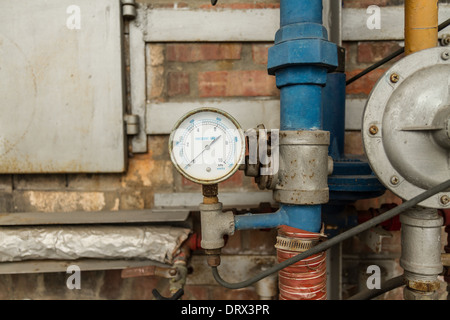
394, 180
394, 78
373, 130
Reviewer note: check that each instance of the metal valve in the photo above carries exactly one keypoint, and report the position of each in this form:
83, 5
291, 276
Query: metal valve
262, 161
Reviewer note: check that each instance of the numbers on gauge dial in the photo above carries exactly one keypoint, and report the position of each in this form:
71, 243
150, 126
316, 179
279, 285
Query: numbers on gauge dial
207, 146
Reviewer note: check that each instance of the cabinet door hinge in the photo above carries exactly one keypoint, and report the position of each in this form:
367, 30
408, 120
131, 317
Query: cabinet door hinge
129, 9
132, 124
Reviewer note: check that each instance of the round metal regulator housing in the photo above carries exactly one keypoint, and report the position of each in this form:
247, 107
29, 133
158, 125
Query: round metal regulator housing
405, 126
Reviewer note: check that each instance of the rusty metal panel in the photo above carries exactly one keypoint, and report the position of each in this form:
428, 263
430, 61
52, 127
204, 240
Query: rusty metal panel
61, 86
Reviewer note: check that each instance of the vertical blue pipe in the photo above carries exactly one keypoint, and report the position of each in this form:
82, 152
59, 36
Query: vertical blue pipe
293, 11
300, 109
301, 103
300, 60
334, 113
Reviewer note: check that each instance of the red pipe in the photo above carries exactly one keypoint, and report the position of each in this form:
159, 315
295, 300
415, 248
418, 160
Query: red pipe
306, 279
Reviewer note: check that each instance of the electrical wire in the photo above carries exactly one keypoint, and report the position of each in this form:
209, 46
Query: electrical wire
335, 240
393, 55
387, 286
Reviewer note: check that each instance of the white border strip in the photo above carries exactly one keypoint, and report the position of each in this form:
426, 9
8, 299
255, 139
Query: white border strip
391, 25
249, 113
169, 25
187, 25
229, 199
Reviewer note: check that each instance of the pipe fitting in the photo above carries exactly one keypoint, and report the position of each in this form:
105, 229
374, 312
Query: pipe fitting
215, 224
411, 294
304, 167
421, 245
421, 251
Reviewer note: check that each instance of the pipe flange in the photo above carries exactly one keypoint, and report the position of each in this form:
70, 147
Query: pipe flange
404, 126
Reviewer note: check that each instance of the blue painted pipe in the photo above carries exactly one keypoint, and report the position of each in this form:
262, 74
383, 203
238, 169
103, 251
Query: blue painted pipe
292, 11
307, 218
300, 60
299, 107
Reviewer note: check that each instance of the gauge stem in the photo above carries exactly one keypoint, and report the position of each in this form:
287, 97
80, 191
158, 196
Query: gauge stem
210, 192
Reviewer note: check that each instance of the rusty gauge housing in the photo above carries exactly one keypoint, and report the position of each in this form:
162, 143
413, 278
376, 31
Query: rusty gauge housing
207, 146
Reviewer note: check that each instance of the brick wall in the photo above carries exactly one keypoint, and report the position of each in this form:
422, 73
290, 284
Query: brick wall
177, 72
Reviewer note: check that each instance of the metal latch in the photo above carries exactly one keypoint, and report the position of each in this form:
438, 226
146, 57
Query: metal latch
129, 9
132, 124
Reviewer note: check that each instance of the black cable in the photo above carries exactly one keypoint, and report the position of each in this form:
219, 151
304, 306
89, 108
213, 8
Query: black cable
177, 295
335, 240
375, 66
444, 25
393, 55
387, 286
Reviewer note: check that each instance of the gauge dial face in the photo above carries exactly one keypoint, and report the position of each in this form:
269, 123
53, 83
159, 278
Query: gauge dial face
207, 146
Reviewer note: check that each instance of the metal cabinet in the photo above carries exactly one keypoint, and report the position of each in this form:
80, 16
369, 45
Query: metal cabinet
62, 92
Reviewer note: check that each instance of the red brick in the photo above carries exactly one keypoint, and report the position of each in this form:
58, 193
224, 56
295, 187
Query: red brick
141, 287
260, 241
235, 181
388, 197
178, 83
236, 84
347, 46
353, 143
370, 52
221, 293
260, 53
193, 292
233, 244
111, 288
189, 185
200, 52
364, 84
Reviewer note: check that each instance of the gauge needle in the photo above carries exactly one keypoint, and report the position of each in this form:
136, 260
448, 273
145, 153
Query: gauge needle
207, 147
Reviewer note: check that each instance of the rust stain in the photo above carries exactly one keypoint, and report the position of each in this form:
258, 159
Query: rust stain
424, 286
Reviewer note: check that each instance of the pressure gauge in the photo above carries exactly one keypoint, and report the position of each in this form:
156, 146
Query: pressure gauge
207, 146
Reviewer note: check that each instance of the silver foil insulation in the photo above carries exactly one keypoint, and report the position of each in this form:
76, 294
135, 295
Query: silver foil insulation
158, 243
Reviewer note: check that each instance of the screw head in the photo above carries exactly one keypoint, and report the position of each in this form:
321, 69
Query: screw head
173, 272
445, 199
373, 130
394, 180
394, 78
445, 55
445, 41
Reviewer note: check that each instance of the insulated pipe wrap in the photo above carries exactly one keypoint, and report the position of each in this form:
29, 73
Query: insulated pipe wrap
158, 243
